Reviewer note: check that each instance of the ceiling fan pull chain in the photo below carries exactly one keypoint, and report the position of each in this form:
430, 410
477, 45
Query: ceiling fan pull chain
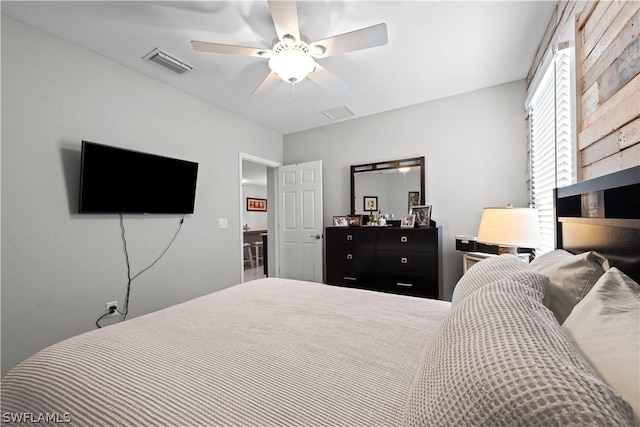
293, 91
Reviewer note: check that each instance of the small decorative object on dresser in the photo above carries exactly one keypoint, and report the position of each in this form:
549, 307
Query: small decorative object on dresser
370, 203
423, 215
355, 220
341, 221
408, 221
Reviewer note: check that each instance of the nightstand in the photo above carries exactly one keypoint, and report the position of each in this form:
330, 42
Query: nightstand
470, 258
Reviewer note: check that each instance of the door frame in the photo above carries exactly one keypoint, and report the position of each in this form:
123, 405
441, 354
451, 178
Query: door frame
272, 230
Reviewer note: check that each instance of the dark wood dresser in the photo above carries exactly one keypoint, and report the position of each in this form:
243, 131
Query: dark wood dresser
388, 259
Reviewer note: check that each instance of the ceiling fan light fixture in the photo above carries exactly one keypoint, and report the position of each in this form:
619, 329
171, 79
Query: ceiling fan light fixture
291, 61
292, 56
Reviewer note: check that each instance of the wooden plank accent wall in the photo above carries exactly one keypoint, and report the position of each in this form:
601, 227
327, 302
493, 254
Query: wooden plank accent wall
608, 68
607, 41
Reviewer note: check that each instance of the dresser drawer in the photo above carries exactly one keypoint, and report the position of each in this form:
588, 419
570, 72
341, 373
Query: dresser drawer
358, 280
410, 284
359, 259
403, 240
407, 261
350, 267
351, 238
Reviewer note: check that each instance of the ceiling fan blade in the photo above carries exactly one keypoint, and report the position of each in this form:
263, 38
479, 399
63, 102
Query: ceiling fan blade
230, 49
326, 79
285, 18
363, 38
267, 84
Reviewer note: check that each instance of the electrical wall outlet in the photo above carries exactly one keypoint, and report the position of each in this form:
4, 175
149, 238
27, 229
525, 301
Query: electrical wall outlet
112, 304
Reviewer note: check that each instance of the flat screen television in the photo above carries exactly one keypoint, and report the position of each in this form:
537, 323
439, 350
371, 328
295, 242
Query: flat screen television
117, 180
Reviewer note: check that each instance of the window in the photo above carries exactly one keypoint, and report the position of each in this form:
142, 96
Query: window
552, 140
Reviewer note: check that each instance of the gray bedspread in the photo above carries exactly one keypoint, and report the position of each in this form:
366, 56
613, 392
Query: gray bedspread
265, 353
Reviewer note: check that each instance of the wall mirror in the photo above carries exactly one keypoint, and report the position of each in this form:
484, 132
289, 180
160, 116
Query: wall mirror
389, 187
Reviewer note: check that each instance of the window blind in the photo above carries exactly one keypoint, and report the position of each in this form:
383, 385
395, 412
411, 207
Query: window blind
552, 157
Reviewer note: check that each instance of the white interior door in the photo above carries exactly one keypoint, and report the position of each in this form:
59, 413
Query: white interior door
301, 229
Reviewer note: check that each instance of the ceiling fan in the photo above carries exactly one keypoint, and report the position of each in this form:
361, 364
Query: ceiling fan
291, 57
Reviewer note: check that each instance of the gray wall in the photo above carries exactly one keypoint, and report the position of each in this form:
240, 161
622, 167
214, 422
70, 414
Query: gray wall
60, 268
475, 149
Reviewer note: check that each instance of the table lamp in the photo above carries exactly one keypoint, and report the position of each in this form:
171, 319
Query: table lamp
510, 228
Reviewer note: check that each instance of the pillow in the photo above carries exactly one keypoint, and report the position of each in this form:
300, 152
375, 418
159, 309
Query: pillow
501, 358
606, 327
571, 277
495, 268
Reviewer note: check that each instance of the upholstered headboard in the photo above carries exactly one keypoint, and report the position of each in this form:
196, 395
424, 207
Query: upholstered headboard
602, 214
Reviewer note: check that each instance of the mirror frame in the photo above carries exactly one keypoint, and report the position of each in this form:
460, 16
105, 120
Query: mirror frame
391, 164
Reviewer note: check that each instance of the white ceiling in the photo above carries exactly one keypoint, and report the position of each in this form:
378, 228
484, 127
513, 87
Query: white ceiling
435, 49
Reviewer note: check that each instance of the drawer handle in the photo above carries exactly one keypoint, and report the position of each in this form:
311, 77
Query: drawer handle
349, 237
403, 239
404, 260
405, 285
349, 256
350, 278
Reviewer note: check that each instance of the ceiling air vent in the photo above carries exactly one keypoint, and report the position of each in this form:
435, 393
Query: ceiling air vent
168, 61
339, 113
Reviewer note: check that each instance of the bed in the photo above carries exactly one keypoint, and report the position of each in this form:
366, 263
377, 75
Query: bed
509, 349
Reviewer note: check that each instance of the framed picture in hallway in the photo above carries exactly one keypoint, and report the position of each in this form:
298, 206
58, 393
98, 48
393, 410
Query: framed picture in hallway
259, 205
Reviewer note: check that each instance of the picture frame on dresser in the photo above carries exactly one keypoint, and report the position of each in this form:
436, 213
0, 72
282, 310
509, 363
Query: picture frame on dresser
341, 221
355, 220
423, 215
408, 221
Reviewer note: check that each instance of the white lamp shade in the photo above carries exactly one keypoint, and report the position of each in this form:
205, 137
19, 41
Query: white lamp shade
515, 227
292, 62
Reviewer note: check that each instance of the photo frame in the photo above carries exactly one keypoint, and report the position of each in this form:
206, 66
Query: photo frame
257, 205
341, 221
413, 200
423, 215
408, 221
370, 203
355, 220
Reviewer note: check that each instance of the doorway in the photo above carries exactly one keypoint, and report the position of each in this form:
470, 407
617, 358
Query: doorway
257, 217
